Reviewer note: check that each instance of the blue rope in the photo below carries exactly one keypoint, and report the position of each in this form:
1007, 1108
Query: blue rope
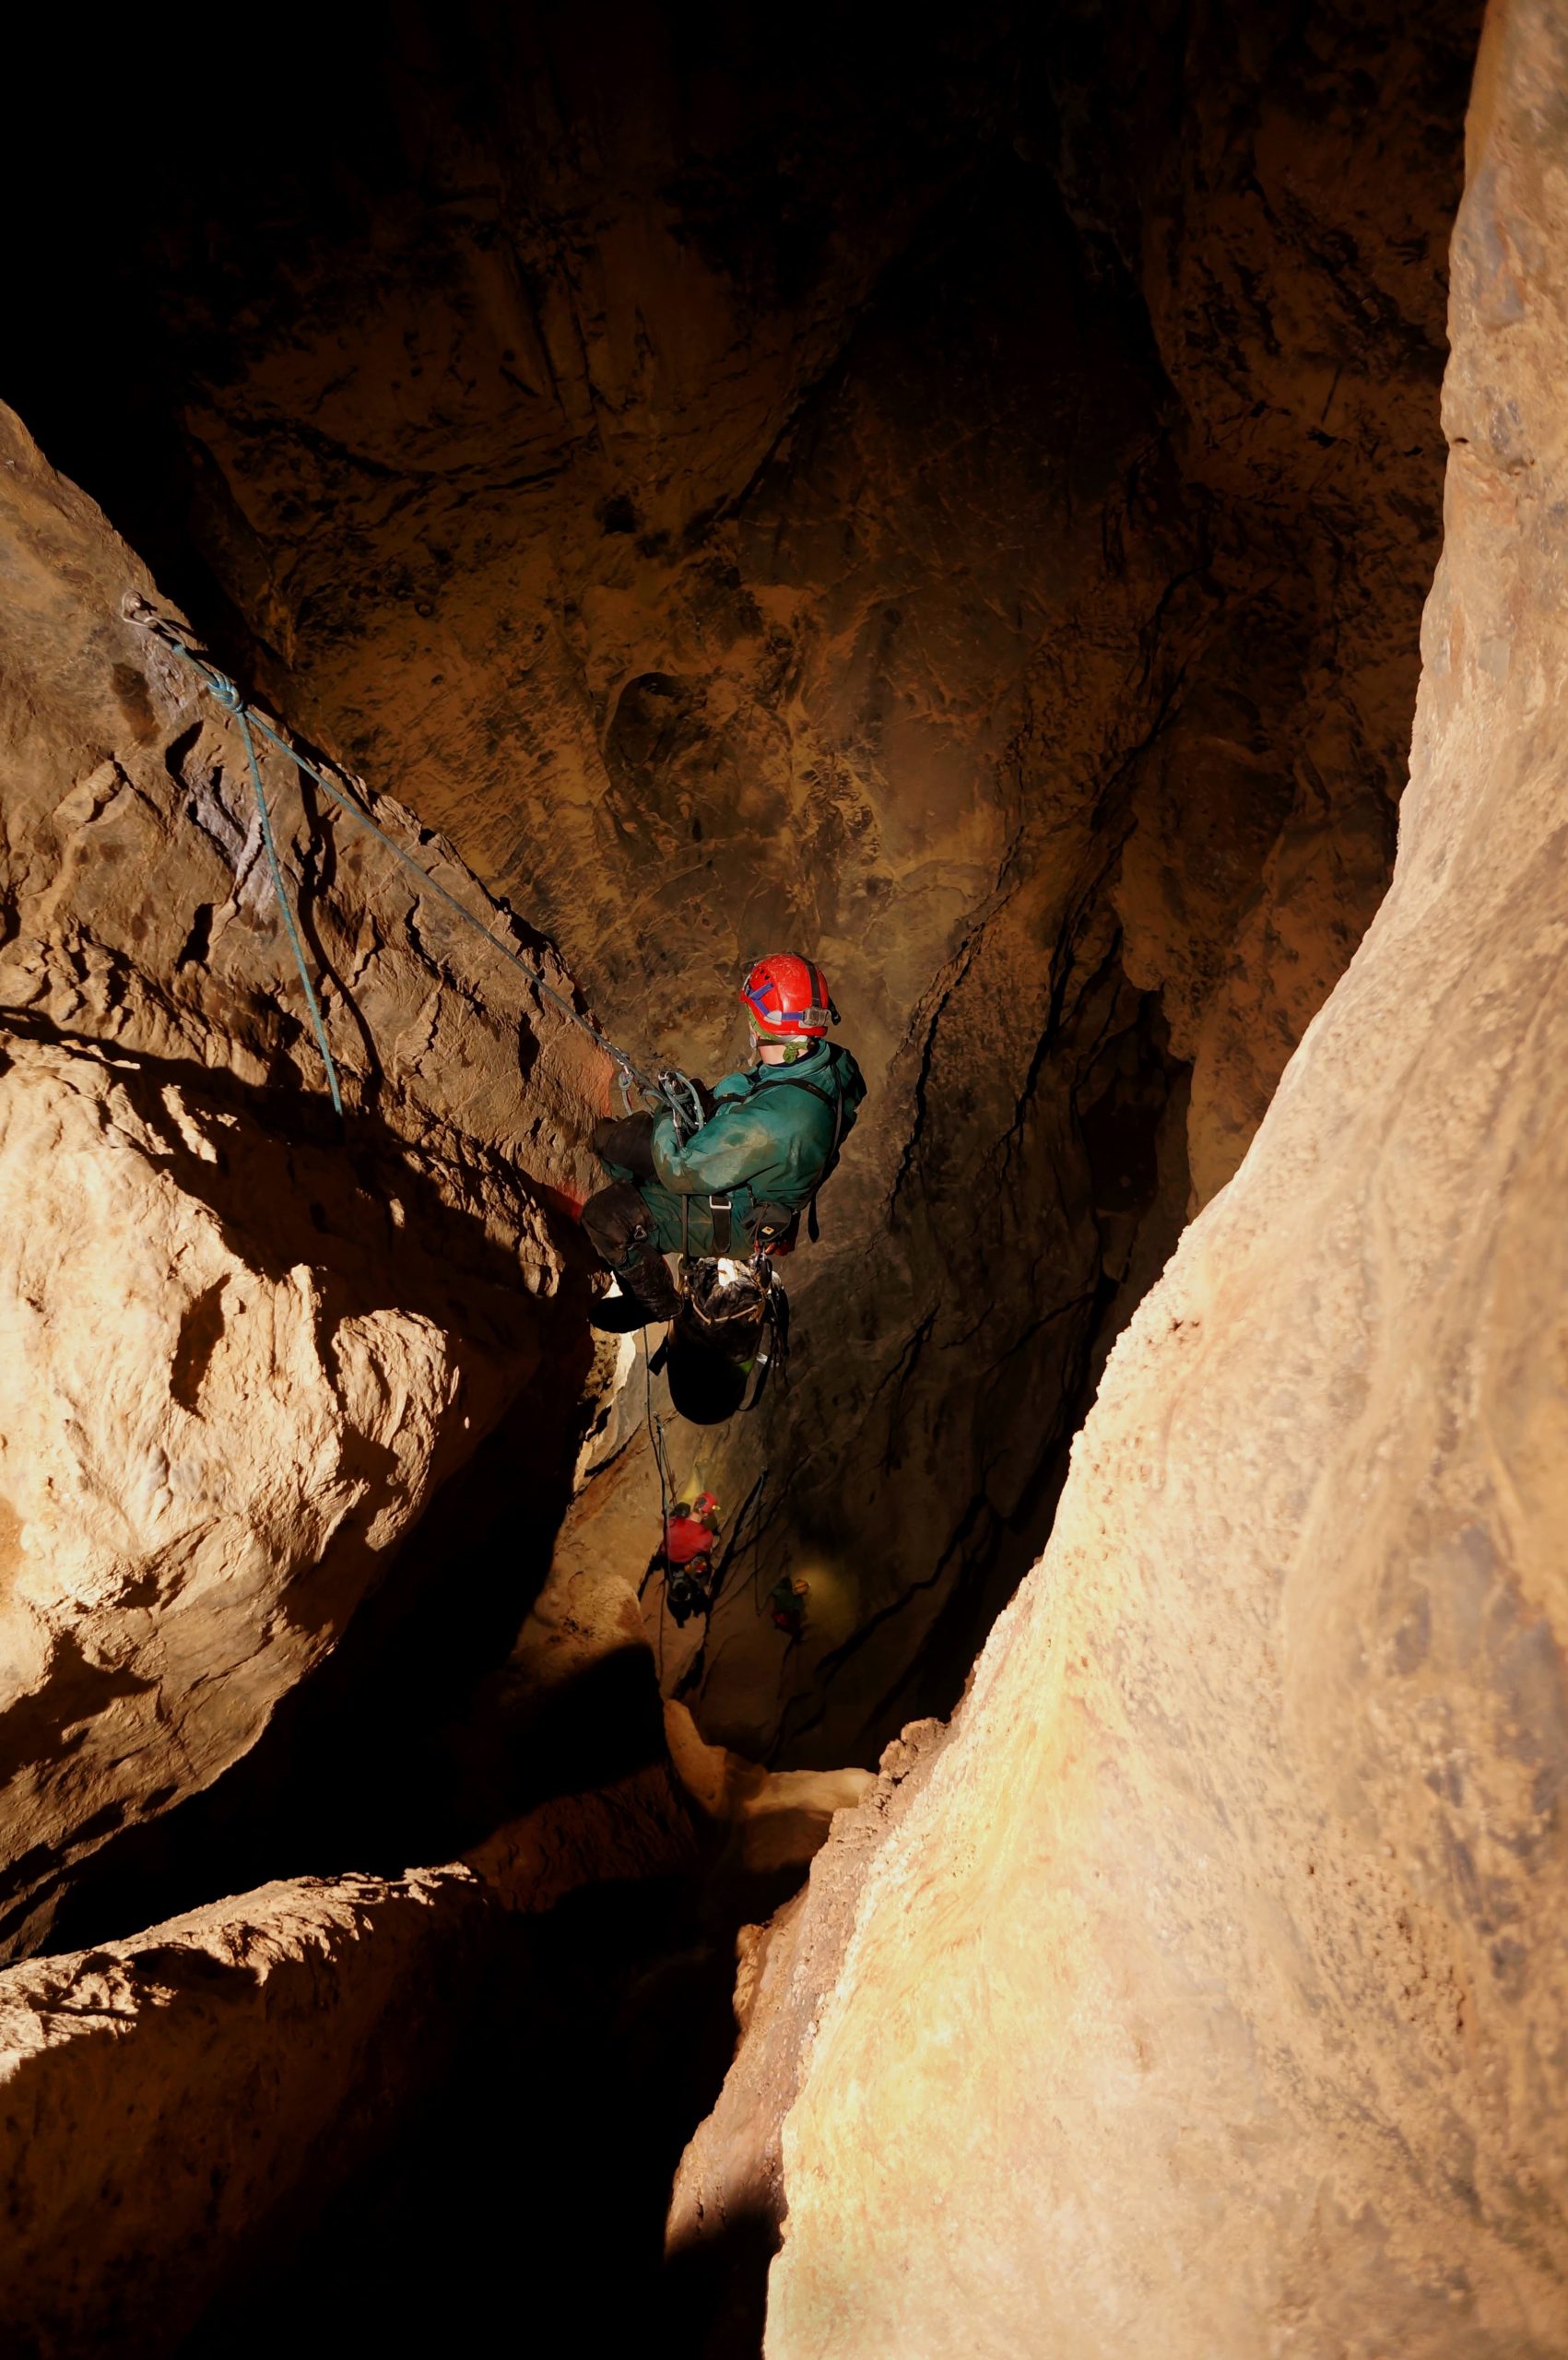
230, 698
236, 705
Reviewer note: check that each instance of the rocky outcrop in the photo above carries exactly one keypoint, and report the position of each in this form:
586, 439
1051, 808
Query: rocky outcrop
176, 2109
967, 508
240, 1350
769, 1819
1209, 1999
166, 2101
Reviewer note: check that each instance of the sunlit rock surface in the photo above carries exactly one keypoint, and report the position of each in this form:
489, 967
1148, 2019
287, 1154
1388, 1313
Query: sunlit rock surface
1210, 1999
239, 1352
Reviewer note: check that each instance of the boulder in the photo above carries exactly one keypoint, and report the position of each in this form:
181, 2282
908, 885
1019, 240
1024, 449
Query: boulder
242, 1347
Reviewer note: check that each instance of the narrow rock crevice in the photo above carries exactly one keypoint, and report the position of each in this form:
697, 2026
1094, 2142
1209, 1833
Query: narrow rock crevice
959, 505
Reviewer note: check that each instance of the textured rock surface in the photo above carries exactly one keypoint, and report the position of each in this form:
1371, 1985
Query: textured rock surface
770, 1819
662, 1817
162, 2101
732, 2174
1210, 1999
236, 1355
175, 2109
966, 506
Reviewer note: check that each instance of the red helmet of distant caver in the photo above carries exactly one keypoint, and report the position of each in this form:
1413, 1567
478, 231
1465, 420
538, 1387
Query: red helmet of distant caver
786, 999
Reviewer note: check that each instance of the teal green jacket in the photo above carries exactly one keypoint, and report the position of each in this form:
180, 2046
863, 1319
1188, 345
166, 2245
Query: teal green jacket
766, 1143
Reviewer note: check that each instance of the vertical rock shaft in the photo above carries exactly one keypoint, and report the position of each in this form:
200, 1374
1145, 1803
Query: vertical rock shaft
1210, 1999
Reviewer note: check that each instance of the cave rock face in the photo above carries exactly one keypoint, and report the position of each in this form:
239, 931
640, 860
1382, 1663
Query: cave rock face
164, 2099
960, 508
1210, 1999
239, 1350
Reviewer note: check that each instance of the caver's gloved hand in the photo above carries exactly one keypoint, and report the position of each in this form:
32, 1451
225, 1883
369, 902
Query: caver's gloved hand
626, 1141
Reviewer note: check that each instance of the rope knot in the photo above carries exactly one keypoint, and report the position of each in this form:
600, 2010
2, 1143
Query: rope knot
223, 689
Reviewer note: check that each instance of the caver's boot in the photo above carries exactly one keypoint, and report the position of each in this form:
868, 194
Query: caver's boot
648, 1294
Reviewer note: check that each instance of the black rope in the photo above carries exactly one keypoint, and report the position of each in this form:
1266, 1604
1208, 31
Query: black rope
655, 1437
753, 1497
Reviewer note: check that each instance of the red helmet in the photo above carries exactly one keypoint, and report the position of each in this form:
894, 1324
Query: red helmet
788, 999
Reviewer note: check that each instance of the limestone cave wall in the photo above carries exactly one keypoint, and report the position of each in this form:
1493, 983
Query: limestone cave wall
242, 1351
959, 502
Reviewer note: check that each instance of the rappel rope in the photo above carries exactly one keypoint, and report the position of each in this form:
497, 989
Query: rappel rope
656, 1438
670, 1087
242, 717
232, 702
753, 1500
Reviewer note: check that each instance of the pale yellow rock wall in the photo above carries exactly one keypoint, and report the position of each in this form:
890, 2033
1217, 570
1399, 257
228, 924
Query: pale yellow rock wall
1212, 2001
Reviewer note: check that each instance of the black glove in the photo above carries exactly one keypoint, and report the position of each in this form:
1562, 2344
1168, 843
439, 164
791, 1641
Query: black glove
627, 1140
705, 1098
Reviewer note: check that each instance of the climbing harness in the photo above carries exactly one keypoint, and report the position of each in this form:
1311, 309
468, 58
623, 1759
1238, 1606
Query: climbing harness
733, 1316
834, 1098
667, 1087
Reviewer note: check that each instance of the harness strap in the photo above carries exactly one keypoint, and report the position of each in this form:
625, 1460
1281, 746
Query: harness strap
834, 1098
813, 1226
719, 1207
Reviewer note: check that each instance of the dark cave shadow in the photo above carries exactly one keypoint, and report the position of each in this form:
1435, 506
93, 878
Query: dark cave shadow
535, 2186
271, 1183
714, 2293
370, 1762
606, 2028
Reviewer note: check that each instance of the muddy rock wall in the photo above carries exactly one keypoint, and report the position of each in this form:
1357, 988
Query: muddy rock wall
241, 1350
1210, 1997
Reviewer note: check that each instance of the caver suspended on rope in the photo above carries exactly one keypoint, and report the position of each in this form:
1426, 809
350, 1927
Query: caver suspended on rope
684, 1559
708, 1171
727, 1195
666, 1089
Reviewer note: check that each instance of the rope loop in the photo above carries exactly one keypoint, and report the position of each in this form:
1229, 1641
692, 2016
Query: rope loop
224, 692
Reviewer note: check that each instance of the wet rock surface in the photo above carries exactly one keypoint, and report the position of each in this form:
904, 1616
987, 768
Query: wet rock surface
1210, 1998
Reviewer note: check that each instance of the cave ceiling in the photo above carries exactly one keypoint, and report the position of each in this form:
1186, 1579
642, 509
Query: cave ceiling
958, 501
